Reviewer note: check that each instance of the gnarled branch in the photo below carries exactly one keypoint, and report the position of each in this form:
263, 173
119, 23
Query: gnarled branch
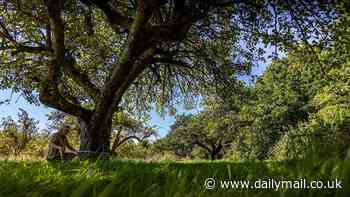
71, 69
49, 93
118, 21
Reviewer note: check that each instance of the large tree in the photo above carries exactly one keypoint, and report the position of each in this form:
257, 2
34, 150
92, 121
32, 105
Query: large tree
92, 58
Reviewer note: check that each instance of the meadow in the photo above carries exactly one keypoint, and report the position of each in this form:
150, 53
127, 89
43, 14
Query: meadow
166, 178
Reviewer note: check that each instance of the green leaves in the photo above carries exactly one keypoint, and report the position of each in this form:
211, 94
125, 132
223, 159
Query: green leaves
300, 106
17, 136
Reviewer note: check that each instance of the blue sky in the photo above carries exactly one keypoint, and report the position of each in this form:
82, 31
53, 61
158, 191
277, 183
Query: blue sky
39, 112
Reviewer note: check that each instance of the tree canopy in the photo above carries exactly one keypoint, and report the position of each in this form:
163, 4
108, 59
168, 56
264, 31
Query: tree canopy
92, 58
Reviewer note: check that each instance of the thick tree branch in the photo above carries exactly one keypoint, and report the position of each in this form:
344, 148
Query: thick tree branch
49, 93
166, 60
22, 48
71, 69
16, 46
133, 62
118, 21
57, 29
203, 146
55, 100
118, 142
200, 144
121, 79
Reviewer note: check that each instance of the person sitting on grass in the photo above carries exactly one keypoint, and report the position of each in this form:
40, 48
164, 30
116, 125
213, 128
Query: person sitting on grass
57, 145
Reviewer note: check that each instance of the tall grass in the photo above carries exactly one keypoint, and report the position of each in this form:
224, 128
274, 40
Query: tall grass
138, 178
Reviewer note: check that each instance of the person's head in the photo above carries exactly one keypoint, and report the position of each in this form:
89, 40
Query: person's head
64, 130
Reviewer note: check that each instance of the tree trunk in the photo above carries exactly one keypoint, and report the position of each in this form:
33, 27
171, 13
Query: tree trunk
263, 154
215, 153
95, 139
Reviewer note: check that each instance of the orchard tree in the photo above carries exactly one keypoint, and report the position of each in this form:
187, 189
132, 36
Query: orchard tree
178, 139
300, 106
92, 58
16, 135
212, 131
125, 128
325, 134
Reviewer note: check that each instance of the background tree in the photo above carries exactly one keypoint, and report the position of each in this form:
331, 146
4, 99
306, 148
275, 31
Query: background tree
326, 132
17, 135
92, 58
177, 140
213, 130
279, 101
126, 128
299, 105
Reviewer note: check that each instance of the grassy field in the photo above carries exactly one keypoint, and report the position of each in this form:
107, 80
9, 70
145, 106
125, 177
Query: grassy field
137, 178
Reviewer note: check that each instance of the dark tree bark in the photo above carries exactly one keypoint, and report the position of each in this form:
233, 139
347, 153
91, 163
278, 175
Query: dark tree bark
216, 152
213, 152
94, 143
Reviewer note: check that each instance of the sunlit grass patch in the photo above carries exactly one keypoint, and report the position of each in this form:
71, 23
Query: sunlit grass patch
137, 178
